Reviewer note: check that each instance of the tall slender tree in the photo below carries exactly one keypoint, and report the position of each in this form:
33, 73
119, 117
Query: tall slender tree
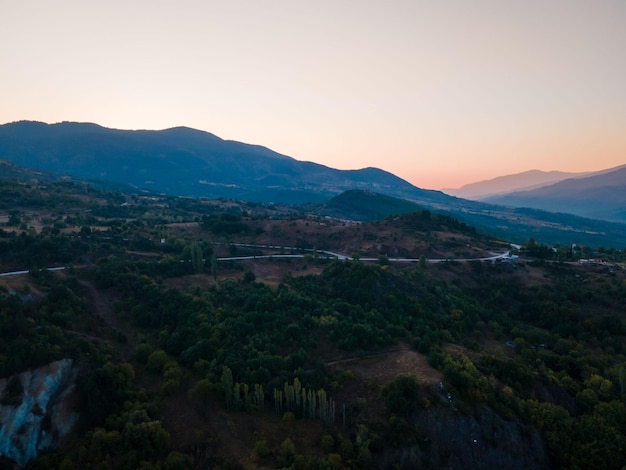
227, 384
197, 260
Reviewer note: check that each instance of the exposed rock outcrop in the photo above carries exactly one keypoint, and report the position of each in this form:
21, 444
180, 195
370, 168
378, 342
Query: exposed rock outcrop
36, 410
459, 441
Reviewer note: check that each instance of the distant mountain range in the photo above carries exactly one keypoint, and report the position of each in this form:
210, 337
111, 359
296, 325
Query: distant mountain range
187, 162
597, 195
506, 184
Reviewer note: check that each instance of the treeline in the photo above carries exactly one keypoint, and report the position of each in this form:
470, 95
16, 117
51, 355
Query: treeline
35, 331
29, 250
265, 335
566, 368
425, 220
565, 337
225, 224
304, 403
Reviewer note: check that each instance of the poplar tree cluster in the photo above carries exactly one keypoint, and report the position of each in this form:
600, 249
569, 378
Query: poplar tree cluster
241, 395
310, 403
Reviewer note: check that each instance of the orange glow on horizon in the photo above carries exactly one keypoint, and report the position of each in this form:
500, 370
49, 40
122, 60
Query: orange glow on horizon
441, 94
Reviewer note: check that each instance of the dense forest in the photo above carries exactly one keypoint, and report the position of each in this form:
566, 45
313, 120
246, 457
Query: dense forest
189, 355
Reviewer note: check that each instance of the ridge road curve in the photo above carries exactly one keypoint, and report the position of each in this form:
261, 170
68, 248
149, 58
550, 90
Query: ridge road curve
495, 256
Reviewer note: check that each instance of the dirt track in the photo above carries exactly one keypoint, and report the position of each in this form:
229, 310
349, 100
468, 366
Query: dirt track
102, 308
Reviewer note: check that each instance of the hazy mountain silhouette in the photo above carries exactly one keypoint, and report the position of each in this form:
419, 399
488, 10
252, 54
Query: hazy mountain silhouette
599, 196
525, 181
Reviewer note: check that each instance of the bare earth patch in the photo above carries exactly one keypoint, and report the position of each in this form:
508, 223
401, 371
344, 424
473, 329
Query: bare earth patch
22, 283
385, 367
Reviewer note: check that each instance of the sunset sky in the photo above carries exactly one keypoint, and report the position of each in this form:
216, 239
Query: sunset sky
441, 93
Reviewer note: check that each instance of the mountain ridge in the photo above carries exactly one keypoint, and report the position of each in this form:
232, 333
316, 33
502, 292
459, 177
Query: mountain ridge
601, 195
186, 162
526, 180
182, 161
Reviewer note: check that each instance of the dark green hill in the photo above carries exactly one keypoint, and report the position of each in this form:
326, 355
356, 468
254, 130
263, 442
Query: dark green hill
367, 206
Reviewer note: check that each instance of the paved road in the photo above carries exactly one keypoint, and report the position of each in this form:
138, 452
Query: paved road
17, 273
330, 254
495, 256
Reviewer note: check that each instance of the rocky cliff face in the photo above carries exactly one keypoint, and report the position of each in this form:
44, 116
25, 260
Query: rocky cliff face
460, 441
36, 410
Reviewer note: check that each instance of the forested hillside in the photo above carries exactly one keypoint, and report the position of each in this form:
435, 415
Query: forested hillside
223, 334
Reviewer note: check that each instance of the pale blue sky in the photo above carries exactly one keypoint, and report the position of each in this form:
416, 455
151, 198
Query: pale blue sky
441, 93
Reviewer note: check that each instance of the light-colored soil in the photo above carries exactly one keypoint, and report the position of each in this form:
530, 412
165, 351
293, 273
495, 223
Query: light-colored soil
19, 281
384, 367
101, 307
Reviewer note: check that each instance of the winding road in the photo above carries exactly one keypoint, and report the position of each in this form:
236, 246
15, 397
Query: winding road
17, 273
329, 254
